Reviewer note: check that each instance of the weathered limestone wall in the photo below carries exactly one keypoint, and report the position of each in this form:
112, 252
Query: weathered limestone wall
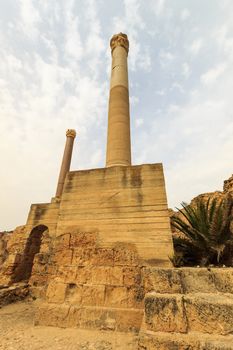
44, 214
4, 238
93, 287
23, 247
15, 247
122, 204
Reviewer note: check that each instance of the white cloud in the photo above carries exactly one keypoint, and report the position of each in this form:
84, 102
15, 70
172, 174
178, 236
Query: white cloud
196, 46
166, 58
186, 70
30, 17
158, 6
177, 86
224, 37
145, 61
161, 92
73, 44
213, 74
185, 14
132, 23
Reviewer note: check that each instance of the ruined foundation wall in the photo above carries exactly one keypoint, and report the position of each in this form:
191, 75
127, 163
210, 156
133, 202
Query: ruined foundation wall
122, 204
27, 251
93, 287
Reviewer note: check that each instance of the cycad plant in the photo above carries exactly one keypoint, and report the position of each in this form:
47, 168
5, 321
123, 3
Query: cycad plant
205, 237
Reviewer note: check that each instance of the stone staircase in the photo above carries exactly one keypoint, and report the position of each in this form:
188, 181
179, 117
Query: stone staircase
188, 309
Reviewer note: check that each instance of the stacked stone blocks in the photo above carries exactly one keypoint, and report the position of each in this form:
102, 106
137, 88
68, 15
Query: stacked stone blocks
94, 287
188, 308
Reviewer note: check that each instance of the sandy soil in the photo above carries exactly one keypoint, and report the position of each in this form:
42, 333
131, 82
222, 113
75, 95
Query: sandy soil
18, 332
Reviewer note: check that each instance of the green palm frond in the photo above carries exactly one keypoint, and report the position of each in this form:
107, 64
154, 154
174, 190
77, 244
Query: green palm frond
205, 225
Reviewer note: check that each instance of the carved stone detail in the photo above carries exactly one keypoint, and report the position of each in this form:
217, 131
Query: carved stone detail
119, 40
71, 133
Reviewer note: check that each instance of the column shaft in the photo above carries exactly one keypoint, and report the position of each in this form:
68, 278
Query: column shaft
118, 142
66, 160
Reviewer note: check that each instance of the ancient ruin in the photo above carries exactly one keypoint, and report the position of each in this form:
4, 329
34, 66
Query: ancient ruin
97, 256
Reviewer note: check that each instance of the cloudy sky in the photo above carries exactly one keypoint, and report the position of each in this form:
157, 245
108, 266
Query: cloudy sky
54, 75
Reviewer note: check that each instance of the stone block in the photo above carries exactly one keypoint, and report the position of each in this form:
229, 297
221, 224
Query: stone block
74, 294
209, 313
67, 274
93, 295
135, 297
52, 269
57, 315
164, 341
83, 239
116, 276
165, 312
56, 292
38, 280
132, 276
107, 275
39, 268
129, 320
102, 257
162, 280
62, 242
125, 255
196, 280
223, 280
116, 296
82, 256
122, 320
100, 275
178, 341
84, 275
63, 257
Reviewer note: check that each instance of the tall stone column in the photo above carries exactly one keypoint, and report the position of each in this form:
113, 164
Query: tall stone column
118, 143
66, 160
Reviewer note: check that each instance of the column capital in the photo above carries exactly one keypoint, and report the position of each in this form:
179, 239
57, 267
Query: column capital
119, 39
71, 133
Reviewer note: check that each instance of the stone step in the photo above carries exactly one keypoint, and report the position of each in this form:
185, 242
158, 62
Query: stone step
189, 280
87, 317
201, 312
190, 341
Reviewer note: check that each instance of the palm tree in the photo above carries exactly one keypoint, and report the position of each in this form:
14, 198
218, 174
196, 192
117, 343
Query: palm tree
205, 231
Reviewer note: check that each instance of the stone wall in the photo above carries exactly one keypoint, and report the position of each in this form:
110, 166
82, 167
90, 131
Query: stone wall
4, 238
123, 204
23, 247
44, 214
90, 286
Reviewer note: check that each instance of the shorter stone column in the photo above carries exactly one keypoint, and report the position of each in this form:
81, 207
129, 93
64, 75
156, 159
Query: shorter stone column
66, 160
